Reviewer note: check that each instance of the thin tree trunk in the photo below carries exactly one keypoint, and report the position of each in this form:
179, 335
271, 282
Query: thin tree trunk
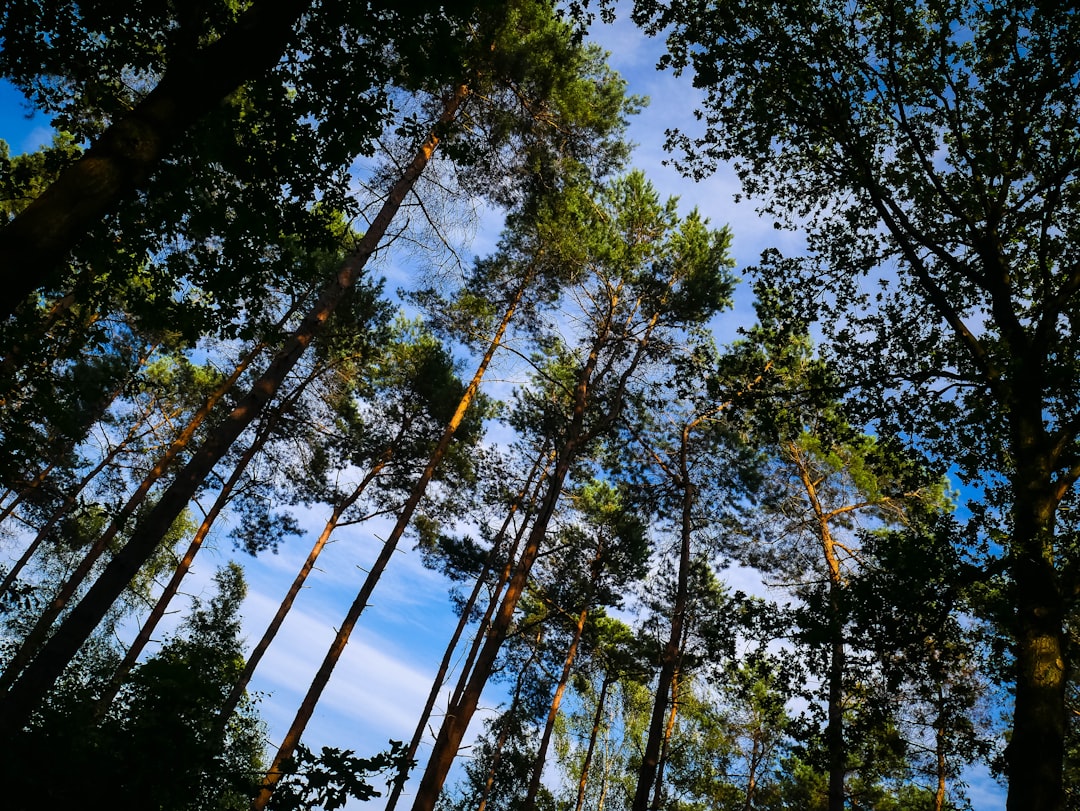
504, 731
322, 677
665, 747
834, 731
493, 601
183, 567
598, 718
257, 653
33, 245
54, 518
940, 747
460, 714
553, 712
70, 586
39, 676
102, 408
444, 666
672, 649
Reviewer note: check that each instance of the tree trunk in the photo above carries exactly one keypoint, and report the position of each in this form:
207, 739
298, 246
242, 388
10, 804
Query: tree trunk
70, 586
183, 567
665, 747
553, 712
459, 715
834, 731
672, 651
257, 653
322, 677
23, 697
463, 621
36, 242
504, 731
57, 514
598, 718
1035, 754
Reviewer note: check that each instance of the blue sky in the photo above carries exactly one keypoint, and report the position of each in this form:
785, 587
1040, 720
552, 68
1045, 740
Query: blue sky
382, 681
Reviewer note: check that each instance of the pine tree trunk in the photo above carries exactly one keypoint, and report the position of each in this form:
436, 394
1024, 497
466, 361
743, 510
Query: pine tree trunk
224, 496
672, 649
70, 586
665, 747
553, 712
33, 245
24, 696
594, 733
504, 731
460, 714
444, 666
56, 515
257, 653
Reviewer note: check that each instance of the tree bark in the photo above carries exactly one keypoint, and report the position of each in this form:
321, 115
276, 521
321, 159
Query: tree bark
24, 696
669, 661
1035, 754
594, 733
257, 653
460, 714
70, 586
463, 621
36, 242
553, 712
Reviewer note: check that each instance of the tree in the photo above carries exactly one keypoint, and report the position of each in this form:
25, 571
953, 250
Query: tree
169, 703
929, 148
643, 276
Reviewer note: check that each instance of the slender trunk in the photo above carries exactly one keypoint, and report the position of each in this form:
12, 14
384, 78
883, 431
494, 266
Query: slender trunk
55, 516
444, 666
31, 486
665, 746
504, 730
101, 408
594, 733
70, 586
23, 697
834, 731
460, 713
459, 716
183, 567
33, 245
672, 649
322, 677
257, 653
751, 777
553, 712
940, 746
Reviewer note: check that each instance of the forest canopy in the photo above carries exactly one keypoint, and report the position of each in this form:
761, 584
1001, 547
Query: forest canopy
830, 563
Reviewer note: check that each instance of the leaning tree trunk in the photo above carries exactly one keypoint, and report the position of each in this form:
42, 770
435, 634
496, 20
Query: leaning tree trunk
594, 733
665, 747
504, 730
224, 497
70, 586
444, 666
24, 696
460, 714
553, 712
341, 639
257, 653
33, 245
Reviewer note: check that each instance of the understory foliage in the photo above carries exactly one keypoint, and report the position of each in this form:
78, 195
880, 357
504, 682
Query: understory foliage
685, 577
